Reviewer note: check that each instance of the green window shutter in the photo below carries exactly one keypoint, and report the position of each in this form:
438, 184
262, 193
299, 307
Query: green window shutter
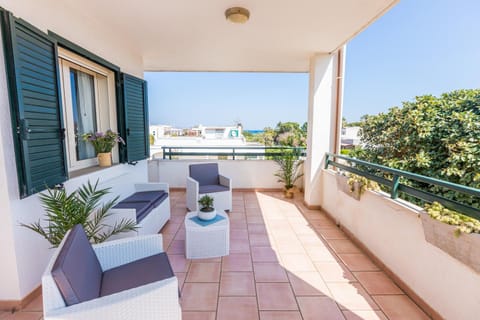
38, 131
135, 118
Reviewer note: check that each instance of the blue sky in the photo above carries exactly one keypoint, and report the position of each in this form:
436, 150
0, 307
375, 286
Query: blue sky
419, 47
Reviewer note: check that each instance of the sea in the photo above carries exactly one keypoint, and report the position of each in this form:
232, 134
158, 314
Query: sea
254, 131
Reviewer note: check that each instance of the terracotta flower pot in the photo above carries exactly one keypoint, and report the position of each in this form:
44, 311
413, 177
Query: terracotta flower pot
104, 159
288, 193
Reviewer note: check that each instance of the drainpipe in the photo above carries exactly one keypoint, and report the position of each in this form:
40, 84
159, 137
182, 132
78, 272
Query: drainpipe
339, 98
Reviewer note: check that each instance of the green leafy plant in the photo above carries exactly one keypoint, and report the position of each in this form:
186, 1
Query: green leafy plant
363, 183
289, 171
464, 223
103, 142
82, 206
206, 203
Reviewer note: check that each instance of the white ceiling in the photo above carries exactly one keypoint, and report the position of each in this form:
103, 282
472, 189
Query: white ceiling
281, 35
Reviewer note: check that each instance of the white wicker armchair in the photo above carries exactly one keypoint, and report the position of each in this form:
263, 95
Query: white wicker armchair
204, 179
157, 300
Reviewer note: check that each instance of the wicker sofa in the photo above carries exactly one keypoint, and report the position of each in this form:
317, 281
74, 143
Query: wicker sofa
123, 279
149, 206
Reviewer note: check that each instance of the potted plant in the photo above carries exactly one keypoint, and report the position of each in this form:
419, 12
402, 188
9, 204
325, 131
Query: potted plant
103, 144
207, 211
289, 172
355, 185
454, 233
83, 206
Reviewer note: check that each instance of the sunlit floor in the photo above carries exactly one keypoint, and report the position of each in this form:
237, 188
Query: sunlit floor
285, 262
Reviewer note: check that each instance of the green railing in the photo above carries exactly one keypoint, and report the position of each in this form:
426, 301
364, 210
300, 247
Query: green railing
232, 152
395, 186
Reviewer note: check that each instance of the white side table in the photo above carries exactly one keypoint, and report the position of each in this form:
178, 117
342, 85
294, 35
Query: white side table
208, 241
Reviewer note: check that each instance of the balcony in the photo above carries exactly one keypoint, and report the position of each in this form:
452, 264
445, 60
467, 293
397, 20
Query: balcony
285, 262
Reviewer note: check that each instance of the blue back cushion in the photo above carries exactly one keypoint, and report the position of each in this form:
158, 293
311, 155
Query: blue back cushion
205, 173
77, 271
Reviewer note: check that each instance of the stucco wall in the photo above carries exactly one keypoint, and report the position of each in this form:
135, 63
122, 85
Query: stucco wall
245, 174
393, 231
23, 253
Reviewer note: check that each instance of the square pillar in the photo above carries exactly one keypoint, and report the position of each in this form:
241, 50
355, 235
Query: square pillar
324, 119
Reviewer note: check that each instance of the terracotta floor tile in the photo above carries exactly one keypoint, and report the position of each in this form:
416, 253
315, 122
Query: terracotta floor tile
238, 224
358, 262
199, 296
198, 315
275, 296
290, 247
280, 315
237, 284
320, 254
332, 233
35, 305
269, 272
204, 272
377, 282
240, 234
181, 278
237, 262
334, 272
257, 228
259, 240
319, 308
27, 315
310, 240
180, 235
179, 262
351, 296
177, 247
296, 262
364, 315
229, 307
239, 246
343, 246
307, 283
400, 307
264, 254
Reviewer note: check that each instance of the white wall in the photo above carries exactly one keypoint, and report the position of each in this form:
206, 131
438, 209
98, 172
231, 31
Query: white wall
323, 118
23, 253
393, 232
95, 36
244, 173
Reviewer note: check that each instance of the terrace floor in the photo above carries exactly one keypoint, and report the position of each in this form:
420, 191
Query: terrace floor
285, 262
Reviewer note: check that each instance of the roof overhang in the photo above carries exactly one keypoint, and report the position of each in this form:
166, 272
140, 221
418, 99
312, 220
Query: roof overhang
280, 36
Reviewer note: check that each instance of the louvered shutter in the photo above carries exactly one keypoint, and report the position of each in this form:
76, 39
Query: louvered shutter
136, 118
36, 109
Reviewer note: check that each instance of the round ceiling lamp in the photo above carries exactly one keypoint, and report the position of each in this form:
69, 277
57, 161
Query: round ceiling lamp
237, 15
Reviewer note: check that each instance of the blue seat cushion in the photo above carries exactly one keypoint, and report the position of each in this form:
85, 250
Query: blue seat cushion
204, 173
143, 202
136, 273
212, 188
77, 271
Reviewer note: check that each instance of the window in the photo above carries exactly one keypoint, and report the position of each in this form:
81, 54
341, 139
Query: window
89, 106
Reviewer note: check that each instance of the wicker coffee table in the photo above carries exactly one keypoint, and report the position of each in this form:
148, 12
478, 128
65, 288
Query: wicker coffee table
208, 241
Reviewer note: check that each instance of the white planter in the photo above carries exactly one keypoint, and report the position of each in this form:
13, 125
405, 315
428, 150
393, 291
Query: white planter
202, 215
465, 247
342, 184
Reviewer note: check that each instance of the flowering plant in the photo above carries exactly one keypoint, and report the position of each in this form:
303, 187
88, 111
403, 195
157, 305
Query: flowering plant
103, 142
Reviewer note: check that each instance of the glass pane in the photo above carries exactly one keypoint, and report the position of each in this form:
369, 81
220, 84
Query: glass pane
84, 114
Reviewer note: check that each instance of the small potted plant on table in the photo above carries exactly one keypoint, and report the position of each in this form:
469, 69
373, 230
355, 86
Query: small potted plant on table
207, 211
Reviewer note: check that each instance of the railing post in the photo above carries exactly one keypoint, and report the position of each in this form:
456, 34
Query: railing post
395, 184
169, 153
163, 152
233, 153
327, 159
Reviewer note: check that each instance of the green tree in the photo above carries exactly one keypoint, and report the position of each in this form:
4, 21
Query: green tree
434, 136
290, 134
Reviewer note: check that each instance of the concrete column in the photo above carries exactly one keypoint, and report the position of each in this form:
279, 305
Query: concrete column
324, 119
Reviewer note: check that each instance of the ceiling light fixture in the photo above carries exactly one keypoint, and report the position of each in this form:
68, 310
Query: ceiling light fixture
237, 15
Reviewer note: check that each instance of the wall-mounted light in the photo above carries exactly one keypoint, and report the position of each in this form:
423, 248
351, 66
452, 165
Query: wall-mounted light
237, 15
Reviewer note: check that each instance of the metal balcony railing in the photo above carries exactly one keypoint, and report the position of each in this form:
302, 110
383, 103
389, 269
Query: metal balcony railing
391, 179
233, 153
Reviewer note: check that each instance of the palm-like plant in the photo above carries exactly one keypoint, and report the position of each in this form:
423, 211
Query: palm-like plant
289, 171
82, 206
